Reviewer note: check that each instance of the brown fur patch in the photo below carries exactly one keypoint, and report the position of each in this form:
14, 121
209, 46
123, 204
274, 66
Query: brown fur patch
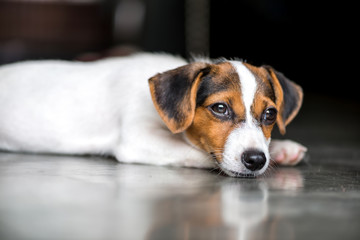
264, 97
190, 110
289, 97
174, 95
207, 131
210, 133
261, 103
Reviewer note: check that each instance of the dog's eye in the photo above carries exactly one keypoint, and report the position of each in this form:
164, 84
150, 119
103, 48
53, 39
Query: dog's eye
269, 116
220, 110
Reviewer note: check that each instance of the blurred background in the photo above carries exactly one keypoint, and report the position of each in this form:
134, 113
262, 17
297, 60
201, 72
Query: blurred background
314, 43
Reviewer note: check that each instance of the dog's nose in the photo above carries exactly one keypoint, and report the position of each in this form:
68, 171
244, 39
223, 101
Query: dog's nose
253, 159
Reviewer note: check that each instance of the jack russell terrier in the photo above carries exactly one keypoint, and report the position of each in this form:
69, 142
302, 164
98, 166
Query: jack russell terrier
151, 109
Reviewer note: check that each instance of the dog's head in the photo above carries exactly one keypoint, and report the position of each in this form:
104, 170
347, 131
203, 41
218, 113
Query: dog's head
228, 109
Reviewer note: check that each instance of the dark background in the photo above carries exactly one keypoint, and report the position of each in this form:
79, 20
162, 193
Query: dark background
313, 43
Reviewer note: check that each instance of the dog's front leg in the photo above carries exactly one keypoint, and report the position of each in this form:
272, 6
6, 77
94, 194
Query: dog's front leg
287, 152
162, 149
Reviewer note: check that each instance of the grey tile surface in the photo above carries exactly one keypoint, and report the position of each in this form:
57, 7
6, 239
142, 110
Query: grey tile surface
44, 197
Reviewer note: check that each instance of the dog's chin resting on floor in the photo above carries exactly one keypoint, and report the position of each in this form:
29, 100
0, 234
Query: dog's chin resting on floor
152, 109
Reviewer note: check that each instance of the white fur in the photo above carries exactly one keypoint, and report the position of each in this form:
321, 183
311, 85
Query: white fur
287, 152
105, 107
248, 88
102, 107
247, 135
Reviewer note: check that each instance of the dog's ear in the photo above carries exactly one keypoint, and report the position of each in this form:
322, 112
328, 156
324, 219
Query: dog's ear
289, 97
174, 95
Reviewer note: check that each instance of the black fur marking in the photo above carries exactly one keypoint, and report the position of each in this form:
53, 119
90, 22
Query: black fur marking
270, 92
267, 91
173, 90
208, 87
291, 96
290, 93
171, 93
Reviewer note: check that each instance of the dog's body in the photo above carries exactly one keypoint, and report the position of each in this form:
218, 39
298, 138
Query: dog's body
106, 107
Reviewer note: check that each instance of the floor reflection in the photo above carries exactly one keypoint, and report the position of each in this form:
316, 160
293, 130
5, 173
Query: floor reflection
184, 207
63, 197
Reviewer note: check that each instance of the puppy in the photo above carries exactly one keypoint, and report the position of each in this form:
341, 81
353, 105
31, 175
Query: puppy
151, 109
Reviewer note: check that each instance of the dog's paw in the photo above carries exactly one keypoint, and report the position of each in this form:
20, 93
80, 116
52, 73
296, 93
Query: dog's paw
287, 152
